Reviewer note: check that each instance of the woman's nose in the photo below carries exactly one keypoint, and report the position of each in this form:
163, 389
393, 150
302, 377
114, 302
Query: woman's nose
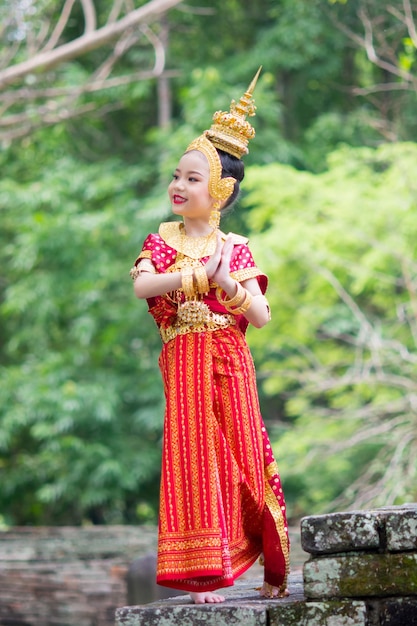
179, 183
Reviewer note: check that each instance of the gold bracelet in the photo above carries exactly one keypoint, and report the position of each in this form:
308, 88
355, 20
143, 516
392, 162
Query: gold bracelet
201, 279
239, 304
241, 310
187, 282
229, 302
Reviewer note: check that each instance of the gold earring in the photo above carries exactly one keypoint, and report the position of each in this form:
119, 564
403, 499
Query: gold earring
214, 219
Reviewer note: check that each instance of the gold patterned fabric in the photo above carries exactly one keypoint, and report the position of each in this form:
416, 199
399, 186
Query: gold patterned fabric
220, 504
221, 499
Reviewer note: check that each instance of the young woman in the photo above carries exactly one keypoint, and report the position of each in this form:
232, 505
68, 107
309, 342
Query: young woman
221, 500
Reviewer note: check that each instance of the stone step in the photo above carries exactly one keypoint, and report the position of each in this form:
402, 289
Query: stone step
391, 529
243, 607
358, 575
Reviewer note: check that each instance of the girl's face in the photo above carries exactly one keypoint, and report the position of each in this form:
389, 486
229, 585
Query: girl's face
188, 191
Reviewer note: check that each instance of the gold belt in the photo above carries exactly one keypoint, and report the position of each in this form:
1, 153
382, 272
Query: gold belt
195, 317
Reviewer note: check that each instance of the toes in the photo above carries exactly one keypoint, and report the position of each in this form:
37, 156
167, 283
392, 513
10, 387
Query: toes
268, 591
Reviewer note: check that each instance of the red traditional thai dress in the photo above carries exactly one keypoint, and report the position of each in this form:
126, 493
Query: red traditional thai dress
221, 500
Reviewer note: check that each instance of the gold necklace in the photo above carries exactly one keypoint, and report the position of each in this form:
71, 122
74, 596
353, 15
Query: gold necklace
190, 250
197, 247
173, 233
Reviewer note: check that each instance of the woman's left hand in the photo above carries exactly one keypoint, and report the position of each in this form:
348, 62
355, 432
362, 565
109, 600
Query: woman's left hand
222, 274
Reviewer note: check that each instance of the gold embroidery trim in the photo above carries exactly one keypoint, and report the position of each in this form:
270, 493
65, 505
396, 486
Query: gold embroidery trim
273, 505
245, 274
212, 322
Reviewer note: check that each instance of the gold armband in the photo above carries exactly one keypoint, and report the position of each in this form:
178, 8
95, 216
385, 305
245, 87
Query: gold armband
201, 280
187, 282
144, 265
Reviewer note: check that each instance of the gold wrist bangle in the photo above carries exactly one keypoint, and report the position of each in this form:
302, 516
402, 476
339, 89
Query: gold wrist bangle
229, 302
187, 282
241, 310
201, 280
239, 304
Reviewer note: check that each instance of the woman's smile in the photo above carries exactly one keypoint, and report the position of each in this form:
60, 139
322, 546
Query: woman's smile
177, 199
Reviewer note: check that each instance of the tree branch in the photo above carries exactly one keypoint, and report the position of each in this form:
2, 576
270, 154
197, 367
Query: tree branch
368, 44
60, 25
87, 42
89, 15
366, 91
115, 11
17, 126
407, 19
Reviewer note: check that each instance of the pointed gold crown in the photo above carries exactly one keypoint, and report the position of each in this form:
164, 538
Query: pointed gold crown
231, 131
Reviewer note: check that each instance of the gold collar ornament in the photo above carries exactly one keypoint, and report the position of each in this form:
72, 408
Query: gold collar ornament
173, 233
231, 133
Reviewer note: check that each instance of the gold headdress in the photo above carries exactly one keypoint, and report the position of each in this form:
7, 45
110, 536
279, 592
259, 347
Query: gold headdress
231, 133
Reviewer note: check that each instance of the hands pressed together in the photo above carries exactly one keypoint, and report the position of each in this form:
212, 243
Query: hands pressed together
218, 265
245, 298
253, 304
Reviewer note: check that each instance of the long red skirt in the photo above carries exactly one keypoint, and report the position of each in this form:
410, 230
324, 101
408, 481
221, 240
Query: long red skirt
221, 500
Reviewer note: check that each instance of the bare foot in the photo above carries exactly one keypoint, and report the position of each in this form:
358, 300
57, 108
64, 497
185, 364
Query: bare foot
268, 591
206, 597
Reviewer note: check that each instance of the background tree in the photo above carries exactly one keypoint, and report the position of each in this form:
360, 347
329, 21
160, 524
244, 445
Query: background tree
43, 38
339, 362
84, 177
80, 396
386, 33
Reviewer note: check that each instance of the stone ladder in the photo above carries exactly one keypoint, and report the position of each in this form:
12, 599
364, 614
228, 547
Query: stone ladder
362, 571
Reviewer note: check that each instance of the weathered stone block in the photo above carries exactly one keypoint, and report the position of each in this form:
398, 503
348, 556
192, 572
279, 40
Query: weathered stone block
361, 575
340, 532
62, 576
243, 607
387, 528
192, 615
398, 612
66, 543
401, 528
330, 613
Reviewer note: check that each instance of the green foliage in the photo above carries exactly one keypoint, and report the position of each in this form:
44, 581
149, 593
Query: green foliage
340, 354
81, 402
81, 406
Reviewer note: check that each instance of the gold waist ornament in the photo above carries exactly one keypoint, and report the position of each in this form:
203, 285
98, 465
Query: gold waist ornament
194, 316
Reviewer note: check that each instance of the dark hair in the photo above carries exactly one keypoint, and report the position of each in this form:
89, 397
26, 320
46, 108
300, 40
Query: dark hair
232, 166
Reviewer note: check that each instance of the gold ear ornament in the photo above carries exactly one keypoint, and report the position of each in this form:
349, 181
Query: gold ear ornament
214, 219
219, 188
